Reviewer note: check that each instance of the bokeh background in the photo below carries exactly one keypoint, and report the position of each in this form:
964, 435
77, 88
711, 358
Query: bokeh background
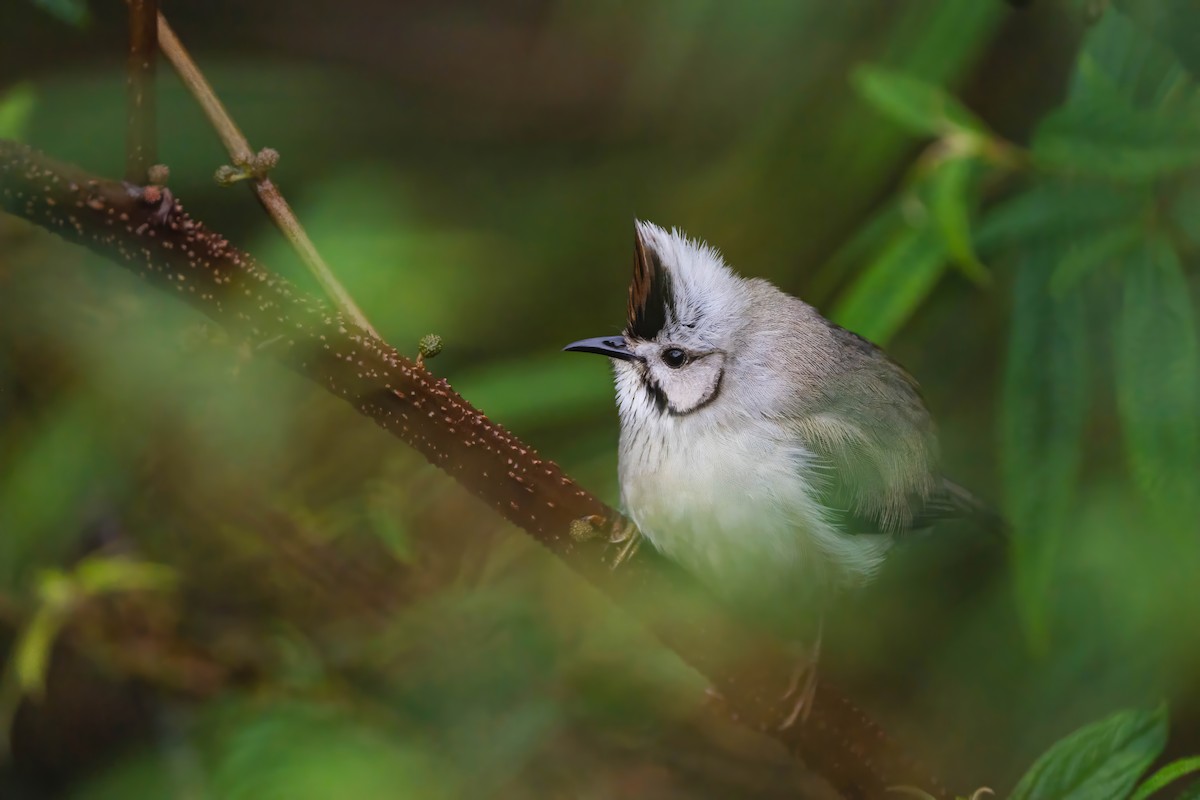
216, 581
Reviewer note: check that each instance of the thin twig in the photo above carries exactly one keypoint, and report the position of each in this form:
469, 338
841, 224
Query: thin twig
179, 255
141, 121
268, 194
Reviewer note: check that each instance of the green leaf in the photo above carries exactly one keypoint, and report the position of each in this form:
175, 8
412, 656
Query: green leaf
1046, 402
1158, 378
887, 293
1053, 211
104, 575
882, 227
31, 656
1119, 56
1133, 112
1184, 211
1101, 761
1111, 139
72, 12
1170, 773
1087, 253
16, 108
920, 107
950, 189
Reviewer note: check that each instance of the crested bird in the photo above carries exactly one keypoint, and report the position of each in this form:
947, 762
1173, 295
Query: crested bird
770, 452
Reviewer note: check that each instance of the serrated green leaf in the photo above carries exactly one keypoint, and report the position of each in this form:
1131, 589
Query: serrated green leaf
887, 293
1101, 761
1086, 254
1113, 140
1120, 56
918, 106
1158, 378
16, 108
1167, 774
1054, 211
949, 186
1046, 403
72, 12
1132, 113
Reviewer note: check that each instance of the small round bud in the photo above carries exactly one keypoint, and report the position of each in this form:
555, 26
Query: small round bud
227, 175
430, 345
159, 174
265, 161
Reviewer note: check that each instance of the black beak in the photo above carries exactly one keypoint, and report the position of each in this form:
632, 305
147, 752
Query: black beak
611, 346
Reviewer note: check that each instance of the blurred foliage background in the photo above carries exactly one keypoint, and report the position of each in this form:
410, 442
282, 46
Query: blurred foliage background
216, 581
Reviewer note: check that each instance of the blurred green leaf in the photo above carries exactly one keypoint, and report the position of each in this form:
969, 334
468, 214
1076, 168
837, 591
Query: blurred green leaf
890, 289
1167, 774
1052, 211
920, 107
1119, 56
72, 12
1114, 140
16, 107
300, 752
1183, 212
169, 770
1158, 378
1046, 400
1086, 254
950, 191
51, 471
31, 656
1132, 114
881, 227
103, 575
1101, 761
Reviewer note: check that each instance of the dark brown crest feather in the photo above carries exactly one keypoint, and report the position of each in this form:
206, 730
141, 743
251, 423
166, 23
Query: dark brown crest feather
650, 292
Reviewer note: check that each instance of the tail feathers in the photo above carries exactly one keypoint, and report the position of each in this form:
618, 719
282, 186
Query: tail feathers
952, 501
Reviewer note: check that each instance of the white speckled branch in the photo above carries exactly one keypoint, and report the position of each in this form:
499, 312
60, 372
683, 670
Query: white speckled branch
172, 251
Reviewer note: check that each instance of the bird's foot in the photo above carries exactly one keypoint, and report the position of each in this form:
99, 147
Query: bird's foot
803, 685
629, 538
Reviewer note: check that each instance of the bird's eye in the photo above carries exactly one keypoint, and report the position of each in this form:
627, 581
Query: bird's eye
674, 358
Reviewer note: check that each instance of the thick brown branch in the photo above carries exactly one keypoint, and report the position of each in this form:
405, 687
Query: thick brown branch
141, 121
179, 255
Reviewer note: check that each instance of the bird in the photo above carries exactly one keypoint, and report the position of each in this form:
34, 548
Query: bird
775, 455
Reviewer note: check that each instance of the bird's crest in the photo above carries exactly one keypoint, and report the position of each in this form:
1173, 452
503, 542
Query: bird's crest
679, 281
651, 293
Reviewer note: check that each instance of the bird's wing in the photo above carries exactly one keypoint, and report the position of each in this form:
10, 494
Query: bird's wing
875, 445
881, 480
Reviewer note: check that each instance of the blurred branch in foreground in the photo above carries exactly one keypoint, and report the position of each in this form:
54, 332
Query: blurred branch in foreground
172, 251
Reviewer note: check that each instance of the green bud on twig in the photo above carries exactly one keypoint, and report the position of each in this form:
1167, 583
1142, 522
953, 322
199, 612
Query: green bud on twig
428, 347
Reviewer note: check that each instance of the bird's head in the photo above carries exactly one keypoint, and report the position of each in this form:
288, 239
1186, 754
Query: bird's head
686, 308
